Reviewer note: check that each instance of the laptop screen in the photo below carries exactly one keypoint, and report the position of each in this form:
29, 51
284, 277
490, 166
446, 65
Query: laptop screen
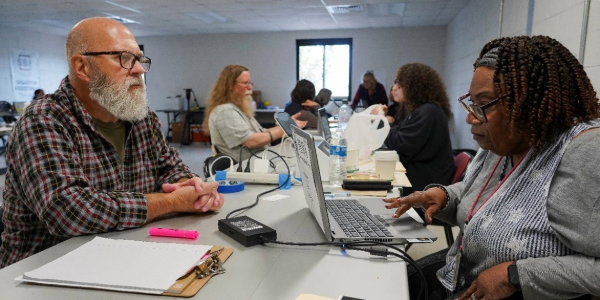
306, 155
323, 125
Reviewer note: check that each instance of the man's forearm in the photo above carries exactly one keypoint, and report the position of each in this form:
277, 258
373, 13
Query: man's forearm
159, 204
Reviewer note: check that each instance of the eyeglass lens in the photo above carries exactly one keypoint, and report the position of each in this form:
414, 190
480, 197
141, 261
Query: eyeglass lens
128, 61
472, 108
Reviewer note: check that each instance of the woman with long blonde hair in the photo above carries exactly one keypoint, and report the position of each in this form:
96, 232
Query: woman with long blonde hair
230, 119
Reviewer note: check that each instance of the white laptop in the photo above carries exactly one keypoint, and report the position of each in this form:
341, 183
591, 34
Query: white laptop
334, 215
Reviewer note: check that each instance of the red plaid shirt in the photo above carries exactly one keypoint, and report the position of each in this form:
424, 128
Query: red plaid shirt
64, 179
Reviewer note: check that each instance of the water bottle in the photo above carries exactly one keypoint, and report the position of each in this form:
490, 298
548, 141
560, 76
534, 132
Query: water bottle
337, 158
344, 115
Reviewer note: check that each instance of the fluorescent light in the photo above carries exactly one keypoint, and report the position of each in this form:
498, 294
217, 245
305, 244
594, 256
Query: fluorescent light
121, 19
125, 7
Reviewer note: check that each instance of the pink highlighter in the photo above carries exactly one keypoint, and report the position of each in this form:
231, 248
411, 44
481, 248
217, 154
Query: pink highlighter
179, 233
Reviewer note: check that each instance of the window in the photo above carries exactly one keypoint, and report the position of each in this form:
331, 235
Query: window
142, 49
326, 63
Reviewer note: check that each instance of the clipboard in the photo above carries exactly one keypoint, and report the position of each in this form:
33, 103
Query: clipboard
188, 284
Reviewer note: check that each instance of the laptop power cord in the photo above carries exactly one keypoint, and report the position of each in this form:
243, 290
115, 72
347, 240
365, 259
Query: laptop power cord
246, 230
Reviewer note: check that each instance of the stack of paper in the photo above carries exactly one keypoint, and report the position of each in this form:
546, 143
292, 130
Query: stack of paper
123, 265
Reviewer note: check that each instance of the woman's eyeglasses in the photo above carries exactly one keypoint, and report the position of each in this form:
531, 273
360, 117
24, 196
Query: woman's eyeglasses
478, 111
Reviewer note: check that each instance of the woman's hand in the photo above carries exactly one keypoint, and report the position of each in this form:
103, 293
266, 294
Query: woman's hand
432, 200
379, 107
299, 123
490, 284
309, 103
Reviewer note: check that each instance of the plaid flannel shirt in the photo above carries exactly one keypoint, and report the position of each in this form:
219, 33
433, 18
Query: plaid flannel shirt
64, 178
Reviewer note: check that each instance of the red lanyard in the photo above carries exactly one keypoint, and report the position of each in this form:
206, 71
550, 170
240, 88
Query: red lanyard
471, 213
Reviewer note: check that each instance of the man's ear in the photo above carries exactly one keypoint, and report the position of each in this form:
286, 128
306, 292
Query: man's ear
81, 67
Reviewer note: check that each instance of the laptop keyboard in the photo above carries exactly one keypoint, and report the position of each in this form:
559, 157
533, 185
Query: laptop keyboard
356, 220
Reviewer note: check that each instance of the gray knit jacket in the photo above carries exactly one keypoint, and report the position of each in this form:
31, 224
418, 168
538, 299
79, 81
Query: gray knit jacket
573, 208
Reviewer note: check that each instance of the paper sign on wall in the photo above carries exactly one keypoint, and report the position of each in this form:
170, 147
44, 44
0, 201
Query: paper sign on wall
24, 69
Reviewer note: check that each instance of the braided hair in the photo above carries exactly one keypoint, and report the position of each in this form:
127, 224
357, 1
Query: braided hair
546, 91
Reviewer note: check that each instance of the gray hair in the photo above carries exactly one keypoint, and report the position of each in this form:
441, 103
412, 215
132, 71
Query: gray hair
490, 59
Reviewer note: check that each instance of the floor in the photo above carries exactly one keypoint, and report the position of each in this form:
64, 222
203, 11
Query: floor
193, 155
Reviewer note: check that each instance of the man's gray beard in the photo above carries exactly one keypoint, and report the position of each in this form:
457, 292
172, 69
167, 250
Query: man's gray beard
116, 99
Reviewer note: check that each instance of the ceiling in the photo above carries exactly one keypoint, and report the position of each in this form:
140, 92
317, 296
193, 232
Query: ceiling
182, 17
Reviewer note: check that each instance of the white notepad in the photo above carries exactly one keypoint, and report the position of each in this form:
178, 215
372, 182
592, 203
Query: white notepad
123, 265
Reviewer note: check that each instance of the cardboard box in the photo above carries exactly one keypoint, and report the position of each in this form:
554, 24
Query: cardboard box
198, 134
176, 129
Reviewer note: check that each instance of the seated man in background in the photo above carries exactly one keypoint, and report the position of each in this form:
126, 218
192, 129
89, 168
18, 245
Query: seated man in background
91, 157
229, 117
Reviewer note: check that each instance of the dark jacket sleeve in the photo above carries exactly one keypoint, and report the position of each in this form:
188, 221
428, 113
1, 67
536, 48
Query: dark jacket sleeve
384, 97
356, 97
293, 108
422, 141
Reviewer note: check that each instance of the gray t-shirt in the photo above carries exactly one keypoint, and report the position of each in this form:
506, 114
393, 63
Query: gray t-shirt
229, 128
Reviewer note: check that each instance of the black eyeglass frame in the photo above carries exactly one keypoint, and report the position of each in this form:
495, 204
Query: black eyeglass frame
478, 111
138, 58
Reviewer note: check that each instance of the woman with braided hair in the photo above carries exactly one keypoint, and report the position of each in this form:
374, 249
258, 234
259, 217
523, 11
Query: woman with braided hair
528, 206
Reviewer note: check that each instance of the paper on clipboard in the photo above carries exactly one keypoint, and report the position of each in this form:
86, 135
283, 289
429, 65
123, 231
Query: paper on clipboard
121, 265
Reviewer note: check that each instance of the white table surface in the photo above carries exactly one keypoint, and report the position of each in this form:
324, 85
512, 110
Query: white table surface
259, 272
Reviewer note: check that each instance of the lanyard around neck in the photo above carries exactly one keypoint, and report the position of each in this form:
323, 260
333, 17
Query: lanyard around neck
472, 211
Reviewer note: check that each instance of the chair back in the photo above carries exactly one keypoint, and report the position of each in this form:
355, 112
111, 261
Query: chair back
461, 161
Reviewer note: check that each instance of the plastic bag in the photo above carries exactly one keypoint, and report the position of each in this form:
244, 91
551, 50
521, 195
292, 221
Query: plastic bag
362, 131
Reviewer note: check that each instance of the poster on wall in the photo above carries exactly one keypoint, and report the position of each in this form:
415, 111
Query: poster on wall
25, 74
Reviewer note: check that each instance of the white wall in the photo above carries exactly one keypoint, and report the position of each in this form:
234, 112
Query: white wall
52, 63
478, 23
180, 62
591, 59
475, 25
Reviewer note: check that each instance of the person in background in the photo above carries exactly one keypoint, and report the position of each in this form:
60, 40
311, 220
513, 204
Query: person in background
395, 112
422, 139
527, 208
91, 157
370, 92
230, 120
303, 96
39, 93
323, 97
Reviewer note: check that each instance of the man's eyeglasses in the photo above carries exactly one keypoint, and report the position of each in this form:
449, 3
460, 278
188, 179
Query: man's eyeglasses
127, 59
246, 84
478, 111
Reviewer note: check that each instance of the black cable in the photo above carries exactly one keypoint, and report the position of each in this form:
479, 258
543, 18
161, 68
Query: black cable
423, 290
252, 154
287, 180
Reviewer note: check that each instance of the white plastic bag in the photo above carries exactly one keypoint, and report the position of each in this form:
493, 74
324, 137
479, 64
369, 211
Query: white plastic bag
362, 132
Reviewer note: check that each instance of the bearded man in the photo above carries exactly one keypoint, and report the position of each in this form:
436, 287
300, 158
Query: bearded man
91, 157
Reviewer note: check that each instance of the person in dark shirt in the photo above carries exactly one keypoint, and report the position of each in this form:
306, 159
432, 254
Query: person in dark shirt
370, 92
422, 139
303, 96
